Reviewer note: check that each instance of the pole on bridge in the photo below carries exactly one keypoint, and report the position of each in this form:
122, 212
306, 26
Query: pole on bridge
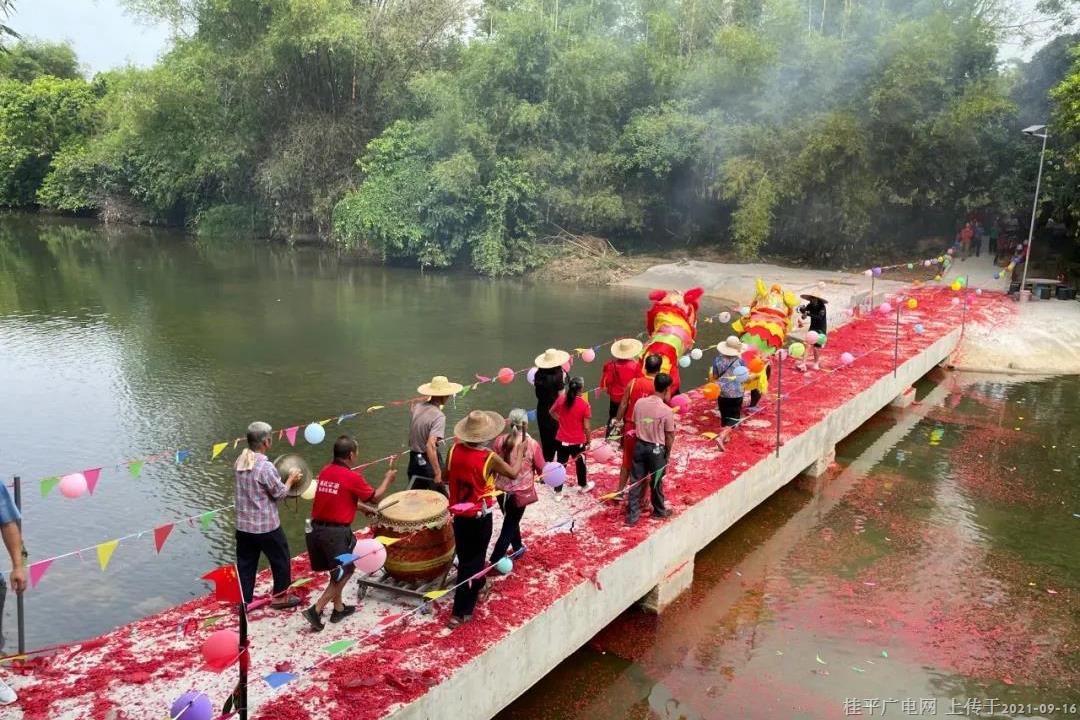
896, 338
779, 396
20, 609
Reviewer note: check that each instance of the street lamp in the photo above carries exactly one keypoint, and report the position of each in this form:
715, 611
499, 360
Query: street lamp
1038, 131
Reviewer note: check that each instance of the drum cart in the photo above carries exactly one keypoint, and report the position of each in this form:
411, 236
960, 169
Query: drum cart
405, 590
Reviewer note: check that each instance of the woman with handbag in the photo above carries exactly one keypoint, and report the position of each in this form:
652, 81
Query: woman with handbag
520, 491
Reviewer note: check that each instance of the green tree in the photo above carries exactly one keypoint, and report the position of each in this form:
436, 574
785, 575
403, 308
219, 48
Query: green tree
30, 59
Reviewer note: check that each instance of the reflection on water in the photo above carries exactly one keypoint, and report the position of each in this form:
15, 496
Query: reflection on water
119, 343
936, 574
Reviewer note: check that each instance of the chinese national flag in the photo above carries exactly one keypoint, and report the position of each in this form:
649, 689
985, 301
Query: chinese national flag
226, 584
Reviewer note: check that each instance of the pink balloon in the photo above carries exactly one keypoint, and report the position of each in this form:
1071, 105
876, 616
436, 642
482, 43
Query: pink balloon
602, 452
568, 364
505, 375
371, 555
885, 308
812, 337
588, 355
847, 358
680, 403
747, 356
73, 485
221, 649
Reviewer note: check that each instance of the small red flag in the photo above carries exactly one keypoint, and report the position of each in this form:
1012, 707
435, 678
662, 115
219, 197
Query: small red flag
226, 584
161, 534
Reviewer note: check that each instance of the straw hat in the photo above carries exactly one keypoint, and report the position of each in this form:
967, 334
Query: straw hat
551, 358
626, 349
732, 347
439, 387
479, 426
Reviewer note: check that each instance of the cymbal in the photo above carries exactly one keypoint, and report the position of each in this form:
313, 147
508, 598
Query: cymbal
285, 464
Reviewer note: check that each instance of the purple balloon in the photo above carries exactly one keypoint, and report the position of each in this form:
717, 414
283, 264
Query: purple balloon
531, 375
192, 705
877, 271
554, 474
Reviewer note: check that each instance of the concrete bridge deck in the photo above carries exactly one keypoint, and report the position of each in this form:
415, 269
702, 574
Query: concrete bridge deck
567, 587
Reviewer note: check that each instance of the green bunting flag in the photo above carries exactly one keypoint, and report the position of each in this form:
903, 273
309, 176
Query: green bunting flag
340, 646
135, 468
206, 519
48, 484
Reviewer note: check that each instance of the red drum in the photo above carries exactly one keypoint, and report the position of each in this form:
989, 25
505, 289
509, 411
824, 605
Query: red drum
422, 518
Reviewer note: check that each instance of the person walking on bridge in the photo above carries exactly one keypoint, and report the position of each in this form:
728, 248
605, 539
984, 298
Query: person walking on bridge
258, 527
654, 423
638, 389
618, 373
549, 381
427, 427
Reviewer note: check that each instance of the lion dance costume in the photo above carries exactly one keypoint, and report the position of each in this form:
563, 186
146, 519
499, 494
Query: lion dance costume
771, 317
672, 326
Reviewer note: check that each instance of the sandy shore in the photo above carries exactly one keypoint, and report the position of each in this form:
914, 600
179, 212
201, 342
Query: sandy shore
1038, 337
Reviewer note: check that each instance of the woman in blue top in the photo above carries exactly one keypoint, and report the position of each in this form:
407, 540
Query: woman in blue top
726, 371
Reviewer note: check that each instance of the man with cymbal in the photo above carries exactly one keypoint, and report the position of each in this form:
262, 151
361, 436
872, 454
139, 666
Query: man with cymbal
427, 427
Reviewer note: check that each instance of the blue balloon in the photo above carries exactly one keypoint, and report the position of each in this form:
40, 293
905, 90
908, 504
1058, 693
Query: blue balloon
314, 433
684, 361
740, 372
919, 328
531, 415
504, 565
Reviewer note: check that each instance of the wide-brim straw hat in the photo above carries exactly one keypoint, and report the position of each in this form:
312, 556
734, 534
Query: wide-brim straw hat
439, 387
732, 347
479, 426
808, 296
551, 358
626, 349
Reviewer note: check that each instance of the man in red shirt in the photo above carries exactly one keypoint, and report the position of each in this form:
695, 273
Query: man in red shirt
338, 495
617, 374
639, 387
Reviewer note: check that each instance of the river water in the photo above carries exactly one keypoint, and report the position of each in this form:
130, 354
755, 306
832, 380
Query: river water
939, 563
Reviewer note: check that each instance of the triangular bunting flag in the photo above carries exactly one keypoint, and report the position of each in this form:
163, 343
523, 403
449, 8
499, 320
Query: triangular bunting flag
464, 391
48, 484
481, 379
206, 518
609, 496
210, 621
277, 679
135, 468
301, 581
435, 594
37, 571
386, 540
373, 408
709, 435
290, 434
324, 422
236, 442
341, 645
181, 456
218, 449
391, 618
346, 416
226, 584
160, 535
91, 478
105, 552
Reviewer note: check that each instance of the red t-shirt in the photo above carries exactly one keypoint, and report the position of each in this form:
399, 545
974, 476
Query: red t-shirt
616, 376
571, 420
337, 491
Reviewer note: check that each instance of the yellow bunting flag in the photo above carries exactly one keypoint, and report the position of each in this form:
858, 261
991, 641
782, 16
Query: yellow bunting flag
327, 420
709, 435
212, 620
373, 408
105, 552
218, 449
435, 594
609, 496
386, 540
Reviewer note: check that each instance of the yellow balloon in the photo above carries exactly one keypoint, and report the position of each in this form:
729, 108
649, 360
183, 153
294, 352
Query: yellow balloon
955, 285
937, 277
912, 303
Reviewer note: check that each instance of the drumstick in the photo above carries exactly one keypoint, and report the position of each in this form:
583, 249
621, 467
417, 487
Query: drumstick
376, 510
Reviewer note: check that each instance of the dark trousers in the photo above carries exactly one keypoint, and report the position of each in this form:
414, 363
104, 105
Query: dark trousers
755, 395
472, 536
548, 426
649, 463
563, 455
510, 535
275, 546
612, 411
422, 475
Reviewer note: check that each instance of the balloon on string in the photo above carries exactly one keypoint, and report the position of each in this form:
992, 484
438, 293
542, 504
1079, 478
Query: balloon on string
797, 350
782, 353
749, 354
504, 565
927, 263
554, 474
221, 649
741, 373
505, 375
588, 355
371, 555
911, 266
847, 358
812, 337
710, 391
978, 291
73, 485
314, 433
937, 277
997, 275
756, 365
695, 354
745, 310
724, 317
602, 452
531, 375
680, 403
684, 361
956, 301
919, 328
912, 303
877, 271
884, 308
868, 273
955, 285
192, 705
568, 364
951, 250
531, 415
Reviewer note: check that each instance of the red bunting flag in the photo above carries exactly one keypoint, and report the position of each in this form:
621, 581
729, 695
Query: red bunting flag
91, 478
226, 584
161, 534
290, 433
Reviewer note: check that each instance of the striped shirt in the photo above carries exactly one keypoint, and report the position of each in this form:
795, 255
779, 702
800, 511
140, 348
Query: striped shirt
257, 493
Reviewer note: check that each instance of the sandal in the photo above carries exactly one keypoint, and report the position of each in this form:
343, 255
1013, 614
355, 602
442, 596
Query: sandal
290, 601
456, 621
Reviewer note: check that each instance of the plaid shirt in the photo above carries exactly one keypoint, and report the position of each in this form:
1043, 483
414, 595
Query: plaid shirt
257, 493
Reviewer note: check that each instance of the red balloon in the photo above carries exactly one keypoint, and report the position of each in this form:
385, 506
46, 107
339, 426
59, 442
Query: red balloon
221, 649
750, 354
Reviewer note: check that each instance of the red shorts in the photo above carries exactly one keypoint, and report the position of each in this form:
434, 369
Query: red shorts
629, 441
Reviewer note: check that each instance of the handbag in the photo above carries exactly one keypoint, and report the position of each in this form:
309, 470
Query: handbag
525, 497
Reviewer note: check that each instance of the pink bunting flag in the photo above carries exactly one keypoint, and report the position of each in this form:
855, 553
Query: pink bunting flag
37, 571
482, 378
91, 478
390, 618
290, 433
161, 534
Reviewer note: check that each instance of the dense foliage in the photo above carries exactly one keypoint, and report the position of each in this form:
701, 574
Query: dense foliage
428, 134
